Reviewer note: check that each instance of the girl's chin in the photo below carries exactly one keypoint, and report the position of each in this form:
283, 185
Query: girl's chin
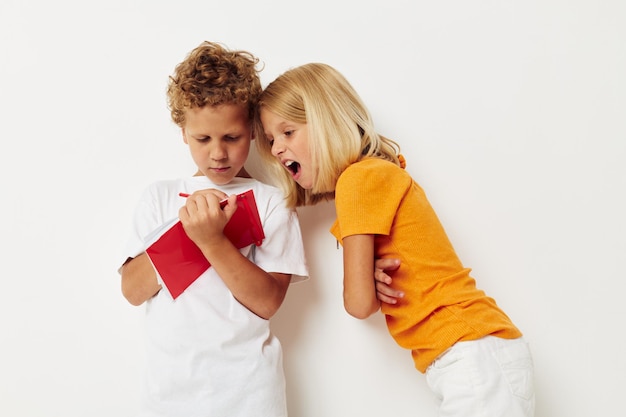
297, 177
305, 185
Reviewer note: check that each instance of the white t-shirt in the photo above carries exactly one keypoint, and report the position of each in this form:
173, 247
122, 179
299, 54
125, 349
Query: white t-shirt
208, 355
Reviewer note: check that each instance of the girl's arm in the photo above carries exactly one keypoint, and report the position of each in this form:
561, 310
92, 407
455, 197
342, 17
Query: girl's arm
359, 289
382, 268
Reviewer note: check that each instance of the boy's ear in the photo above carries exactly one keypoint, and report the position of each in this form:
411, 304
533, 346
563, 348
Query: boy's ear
184, 136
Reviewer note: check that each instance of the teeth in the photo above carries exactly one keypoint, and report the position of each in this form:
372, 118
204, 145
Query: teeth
291, 166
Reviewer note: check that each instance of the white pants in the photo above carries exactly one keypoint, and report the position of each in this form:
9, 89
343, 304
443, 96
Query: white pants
488, 377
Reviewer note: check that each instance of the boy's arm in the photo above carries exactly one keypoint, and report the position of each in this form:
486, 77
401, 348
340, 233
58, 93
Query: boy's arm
359, 289
260, 291
139, 281
203, 220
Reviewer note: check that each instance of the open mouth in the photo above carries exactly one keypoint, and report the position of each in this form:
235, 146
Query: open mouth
292, 166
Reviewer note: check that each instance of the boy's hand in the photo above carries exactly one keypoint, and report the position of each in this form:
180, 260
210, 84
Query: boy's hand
204, 218
384, 292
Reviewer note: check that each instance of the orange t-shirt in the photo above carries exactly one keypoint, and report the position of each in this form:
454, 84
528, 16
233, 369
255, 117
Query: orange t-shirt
442, 304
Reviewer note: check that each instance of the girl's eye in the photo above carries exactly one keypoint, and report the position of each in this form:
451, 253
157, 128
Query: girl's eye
271, 142
231, 138
288, 133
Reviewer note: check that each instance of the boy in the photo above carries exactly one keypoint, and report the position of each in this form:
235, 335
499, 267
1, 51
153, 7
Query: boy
210, 352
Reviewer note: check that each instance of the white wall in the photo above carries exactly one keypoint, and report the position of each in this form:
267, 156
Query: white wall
510, 114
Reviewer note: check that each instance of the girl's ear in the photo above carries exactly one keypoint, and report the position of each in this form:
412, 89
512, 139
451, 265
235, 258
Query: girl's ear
184, 136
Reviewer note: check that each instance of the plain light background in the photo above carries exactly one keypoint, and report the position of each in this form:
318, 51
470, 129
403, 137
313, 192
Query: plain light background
511, 115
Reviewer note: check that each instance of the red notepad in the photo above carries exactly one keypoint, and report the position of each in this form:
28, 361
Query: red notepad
180, 262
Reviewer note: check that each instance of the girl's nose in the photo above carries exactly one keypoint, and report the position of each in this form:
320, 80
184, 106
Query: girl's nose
277, 148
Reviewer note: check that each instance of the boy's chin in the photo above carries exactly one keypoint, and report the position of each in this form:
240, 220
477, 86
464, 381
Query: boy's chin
243, 173
219, 179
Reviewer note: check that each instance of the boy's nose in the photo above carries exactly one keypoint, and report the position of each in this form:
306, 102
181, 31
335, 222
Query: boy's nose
218, 153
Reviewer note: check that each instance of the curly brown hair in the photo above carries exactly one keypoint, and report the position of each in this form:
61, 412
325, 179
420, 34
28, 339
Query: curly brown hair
212, 75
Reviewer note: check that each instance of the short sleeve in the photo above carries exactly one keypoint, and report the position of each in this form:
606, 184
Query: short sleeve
367, 197
282, 250
145, 221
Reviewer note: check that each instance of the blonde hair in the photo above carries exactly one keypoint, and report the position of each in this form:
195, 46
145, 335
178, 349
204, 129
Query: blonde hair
212, 75
340, 128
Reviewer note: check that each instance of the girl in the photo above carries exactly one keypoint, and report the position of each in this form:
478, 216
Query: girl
319, 137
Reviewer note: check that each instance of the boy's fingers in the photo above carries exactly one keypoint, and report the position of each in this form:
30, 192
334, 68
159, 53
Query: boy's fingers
231, 206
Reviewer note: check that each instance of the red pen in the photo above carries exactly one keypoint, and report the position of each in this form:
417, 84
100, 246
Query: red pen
222, 202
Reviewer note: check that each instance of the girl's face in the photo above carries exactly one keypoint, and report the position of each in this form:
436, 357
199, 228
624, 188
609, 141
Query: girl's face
290, 145
219, 140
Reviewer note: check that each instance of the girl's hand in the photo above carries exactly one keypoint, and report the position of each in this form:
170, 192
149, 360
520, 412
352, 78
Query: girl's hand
383, 281
203, 217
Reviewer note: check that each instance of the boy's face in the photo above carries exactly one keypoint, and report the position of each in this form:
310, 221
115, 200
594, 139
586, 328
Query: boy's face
219, 140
